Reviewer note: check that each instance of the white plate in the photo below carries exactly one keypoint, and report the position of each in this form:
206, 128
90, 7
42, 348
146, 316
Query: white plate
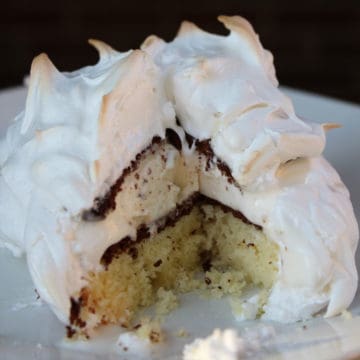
28, 330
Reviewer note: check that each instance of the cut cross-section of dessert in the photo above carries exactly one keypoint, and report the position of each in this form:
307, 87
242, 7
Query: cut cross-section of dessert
173, 168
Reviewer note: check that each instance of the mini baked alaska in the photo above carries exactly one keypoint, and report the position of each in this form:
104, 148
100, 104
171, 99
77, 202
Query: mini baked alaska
174, 168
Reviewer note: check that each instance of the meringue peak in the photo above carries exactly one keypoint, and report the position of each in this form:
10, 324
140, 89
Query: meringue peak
187, 27
41, 78
105, 51
240, 26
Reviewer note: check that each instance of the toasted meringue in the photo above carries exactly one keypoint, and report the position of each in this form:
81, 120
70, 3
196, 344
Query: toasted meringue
81, 130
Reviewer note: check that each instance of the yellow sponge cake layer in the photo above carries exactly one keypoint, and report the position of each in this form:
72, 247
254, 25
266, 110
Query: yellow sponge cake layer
209, 250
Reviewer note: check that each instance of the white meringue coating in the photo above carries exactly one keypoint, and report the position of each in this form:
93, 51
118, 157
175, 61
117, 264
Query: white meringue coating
224, 89
79, 131
57, 160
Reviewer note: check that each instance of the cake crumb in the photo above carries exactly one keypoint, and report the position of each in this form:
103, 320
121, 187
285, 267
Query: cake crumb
150, 329
155, 336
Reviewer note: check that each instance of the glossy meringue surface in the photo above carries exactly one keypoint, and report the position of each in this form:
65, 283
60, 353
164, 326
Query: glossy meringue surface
63, 151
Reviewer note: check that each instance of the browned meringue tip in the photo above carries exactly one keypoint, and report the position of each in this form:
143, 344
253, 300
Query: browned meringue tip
41, 61
239, 25
101, 46
41, 75
330, 126
149, 41
187, 27
41, 71
235, 23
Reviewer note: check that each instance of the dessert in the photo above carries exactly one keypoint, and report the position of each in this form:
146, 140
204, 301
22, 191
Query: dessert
177, 167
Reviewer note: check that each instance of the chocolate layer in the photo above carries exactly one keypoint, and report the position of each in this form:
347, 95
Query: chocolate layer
204, 148
102, 206
173, 138
127, 244
236, 213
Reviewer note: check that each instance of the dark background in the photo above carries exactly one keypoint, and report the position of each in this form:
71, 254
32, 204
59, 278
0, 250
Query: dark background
316, 43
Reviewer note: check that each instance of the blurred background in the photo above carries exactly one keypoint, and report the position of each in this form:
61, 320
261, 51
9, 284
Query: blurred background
316, 43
